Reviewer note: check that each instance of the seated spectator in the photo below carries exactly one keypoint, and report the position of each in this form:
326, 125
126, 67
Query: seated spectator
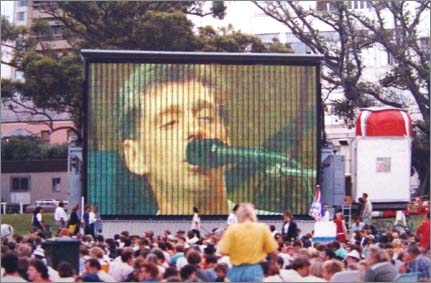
357, 224
92, 266
220, 270
271, 272
210, 263
300, 269
316, 271
331, 267
65, 272
170, 272
37, 271
188, 273
380, 268
148, 273
195, 259
9, 261
120, 271
352, 259
418, 263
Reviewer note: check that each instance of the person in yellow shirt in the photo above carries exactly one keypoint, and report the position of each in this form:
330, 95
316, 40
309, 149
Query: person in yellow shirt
247, 244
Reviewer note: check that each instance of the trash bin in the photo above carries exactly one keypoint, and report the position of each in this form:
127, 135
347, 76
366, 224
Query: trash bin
62, 249
48, 232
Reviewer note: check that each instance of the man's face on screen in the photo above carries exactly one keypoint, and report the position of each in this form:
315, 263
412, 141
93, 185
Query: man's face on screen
172, 115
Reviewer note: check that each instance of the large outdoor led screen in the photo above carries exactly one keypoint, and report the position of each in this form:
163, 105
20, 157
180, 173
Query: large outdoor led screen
163, 138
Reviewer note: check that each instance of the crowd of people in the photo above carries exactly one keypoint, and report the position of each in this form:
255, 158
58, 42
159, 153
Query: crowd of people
244, 250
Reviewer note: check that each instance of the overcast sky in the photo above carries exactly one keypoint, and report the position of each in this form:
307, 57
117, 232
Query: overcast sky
6, 8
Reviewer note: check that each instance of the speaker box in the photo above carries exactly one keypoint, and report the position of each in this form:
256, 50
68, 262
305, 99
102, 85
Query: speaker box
62, 249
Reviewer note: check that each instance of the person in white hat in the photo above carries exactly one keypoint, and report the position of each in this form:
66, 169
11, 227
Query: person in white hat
352, 259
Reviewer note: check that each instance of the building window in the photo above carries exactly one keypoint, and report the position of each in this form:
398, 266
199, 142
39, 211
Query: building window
45, 135
56, 185
22, 3
56, 30
19, 75
70, 134
20, 16
20, 184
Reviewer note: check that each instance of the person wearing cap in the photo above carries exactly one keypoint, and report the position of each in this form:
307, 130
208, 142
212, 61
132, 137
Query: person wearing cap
247, 244
60, 216
352, 258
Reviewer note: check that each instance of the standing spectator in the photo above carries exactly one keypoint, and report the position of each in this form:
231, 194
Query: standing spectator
418, 263
367, 209
37, 221
232, 219
289, 229
74, 220
341, 227
423, 233
93, 218
9, 261
326, 213
86, 220
60, 216
196, 223
247, 244
37, 271
380, 268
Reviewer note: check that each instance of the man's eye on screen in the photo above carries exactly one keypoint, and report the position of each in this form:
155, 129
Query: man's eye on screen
169, 124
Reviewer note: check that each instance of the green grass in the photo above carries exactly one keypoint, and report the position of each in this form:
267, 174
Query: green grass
21, 223
417, 219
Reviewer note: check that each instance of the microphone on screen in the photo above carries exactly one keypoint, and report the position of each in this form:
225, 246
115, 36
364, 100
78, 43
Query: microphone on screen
213, 153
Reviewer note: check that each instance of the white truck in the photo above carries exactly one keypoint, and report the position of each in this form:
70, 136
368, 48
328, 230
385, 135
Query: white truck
381, 168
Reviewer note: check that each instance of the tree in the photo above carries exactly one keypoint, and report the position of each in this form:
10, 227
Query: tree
391, 25
31, 148
55, 81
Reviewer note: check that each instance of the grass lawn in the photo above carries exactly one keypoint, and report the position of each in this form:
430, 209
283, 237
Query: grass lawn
21, 223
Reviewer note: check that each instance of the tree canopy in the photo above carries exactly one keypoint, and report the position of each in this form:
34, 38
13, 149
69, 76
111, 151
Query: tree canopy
31, 148
54, 81
389, 25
